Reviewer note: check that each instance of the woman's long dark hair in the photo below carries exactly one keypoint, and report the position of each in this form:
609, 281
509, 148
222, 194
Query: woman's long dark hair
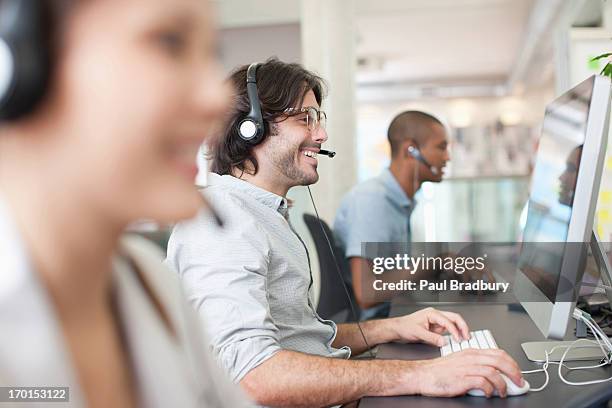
280, 86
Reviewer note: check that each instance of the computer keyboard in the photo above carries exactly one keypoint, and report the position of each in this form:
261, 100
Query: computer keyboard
479, 339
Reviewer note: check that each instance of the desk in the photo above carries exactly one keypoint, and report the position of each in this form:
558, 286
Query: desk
510, 329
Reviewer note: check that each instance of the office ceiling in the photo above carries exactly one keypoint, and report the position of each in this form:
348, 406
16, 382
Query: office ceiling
430, 42
444, 41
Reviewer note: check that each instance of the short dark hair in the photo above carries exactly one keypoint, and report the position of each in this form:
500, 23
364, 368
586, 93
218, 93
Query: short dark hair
410, 125
280, 86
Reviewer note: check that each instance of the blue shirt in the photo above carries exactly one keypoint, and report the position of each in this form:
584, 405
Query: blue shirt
377, 210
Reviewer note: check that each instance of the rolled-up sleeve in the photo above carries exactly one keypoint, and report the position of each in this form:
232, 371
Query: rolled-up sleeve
224, 275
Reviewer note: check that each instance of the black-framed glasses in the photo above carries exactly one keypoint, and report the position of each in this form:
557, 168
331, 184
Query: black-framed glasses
313, 117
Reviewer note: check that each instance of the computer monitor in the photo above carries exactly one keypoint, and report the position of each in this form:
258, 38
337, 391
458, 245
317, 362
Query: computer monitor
560, 212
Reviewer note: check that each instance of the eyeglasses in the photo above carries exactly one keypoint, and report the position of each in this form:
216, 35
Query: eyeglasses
313, 117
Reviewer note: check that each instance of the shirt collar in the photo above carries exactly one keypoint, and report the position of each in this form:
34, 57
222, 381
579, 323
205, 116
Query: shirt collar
274, 201
394, 190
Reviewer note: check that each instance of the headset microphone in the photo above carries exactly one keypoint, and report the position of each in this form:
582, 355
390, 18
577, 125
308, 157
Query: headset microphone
416, 153
327, 153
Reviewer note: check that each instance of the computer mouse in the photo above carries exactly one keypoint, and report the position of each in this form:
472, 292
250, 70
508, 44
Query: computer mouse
512, 389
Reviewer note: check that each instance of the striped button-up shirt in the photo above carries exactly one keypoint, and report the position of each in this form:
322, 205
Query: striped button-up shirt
249, 280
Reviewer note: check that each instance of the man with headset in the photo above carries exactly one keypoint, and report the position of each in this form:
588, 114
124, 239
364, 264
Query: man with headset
418, 154
250, 281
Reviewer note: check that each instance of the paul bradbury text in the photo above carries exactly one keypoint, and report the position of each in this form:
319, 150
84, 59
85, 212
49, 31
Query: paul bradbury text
447, 285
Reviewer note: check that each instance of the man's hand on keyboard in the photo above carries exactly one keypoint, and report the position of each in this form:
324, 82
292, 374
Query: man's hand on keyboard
427, 326
465, 370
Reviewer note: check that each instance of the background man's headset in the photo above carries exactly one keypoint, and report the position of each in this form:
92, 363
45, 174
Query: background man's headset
252, 129
416, 153
25, 55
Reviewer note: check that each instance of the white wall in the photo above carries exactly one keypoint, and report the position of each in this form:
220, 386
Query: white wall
244, 45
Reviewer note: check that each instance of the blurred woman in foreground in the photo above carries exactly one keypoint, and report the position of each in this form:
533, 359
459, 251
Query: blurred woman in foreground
109, 136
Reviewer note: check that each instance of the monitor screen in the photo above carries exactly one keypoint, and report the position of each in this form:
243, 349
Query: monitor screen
553, 183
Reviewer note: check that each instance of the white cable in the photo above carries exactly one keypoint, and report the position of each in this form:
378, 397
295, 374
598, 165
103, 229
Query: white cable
544, 368
602, 341
598, 339
595, 327
577, 382
601, 336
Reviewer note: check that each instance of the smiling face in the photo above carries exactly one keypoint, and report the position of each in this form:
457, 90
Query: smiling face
136, 91
290, 152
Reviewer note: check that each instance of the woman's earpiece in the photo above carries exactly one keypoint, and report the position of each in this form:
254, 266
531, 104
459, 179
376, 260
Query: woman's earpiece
25, 55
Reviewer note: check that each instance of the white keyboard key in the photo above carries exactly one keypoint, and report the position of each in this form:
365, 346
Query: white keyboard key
479, 339
482, 341
474, 342
445, 350
490, 339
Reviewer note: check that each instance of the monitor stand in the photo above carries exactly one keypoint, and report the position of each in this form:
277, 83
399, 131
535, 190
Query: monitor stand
582, 351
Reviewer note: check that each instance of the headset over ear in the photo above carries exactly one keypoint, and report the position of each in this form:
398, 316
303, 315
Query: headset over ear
252, 127
25, 56
416, 153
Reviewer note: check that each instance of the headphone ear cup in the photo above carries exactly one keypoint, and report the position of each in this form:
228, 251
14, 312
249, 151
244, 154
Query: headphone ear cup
7, 70
25, 31
248, 129
251, 130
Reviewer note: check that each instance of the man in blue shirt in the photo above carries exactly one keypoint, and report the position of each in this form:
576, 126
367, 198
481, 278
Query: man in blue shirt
379, 209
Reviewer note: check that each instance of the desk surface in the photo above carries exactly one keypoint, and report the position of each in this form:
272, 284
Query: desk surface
510, 329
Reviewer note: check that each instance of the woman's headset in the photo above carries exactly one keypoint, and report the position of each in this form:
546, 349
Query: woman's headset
25, 55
